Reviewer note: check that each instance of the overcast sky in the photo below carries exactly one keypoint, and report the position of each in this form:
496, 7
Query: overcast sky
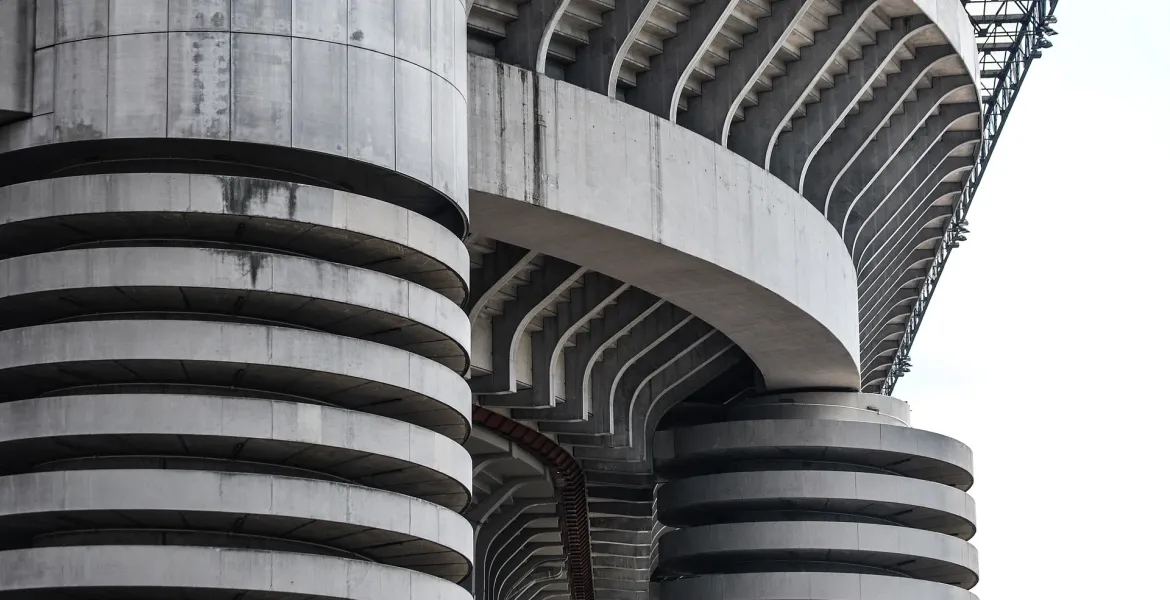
1044, 348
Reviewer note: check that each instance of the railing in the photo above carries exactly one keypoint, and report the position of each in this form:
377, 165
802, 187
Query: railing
1010, 35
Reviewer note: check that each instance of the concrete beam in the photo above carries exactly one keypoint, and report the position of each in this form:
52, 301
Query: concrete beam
790, 156
711, 113
890, 159
616, 320
496, 531
827, 167
698, 234
499, 268
526, 42
883, 225
608, 372
545, 285
548, 345
755, 136
659, 89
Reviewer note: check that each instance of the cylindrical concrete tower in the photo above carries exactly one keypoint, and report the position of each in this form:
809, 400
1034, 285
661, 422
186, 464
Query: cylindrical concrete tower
492, 299
815, 495
231, 342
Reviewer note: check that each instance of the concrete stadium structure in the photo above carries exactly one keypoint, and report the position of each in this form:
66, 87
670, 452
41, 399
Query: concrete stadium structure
493, 299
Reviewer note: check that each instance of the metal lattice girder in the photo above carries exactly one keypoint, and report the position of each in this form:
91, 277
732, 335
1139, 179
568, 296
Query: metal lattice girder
1010, 34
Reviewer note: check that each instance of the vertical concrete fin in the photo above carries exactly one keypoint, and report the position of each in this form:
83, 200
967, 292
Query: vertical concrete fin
659, 88
756, 134
812, 131
599, 62
711, 113
528, 37
546, 285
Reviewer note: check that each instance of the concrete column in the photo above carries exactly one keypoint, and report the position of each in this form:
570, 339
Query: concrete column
814, 495
232, 347
16, 59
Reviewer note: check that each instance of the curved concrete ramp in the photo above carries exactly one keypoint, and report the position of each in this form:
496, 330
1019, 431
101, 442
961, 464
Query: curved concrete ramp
668, 211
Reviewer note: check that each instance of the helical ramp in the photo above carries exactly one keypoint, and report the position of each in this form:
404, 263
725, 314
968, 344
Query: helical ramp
821, 496
231, 269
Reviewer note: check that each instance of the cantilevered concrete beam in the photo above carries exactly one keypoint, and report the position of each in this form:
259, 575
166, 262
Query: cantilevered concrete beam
585, 302
599, 62
883, 225
754, 137
878, 277
795, 147
498, 269
547, 283
668, 364
889, 160
829, 164
632, 306
489, 537
659, 88
884, 147
606, 374
880, 298
947, 143
528, 37
711, 113
699, 365
936, 166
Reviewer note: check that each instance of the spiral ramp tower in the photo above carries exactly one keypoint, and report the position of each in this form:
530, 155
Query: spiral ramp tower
493, 299
232, 345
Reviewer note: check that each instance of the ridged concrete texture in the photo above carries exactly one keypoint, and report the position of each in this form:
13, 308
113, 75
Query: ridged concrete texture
455, 298
231, 343
792, 484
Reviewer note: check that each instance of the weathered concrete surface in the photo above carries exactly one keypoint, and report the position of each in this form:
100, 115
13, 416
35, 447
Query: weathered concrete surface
347, 371
381, 84
809, 586
16, 59
916, 503
231, 261
215, 569
920, 454
381, 524
922, 554
608, 186
379, 452
805, 482
334, 225
334, 298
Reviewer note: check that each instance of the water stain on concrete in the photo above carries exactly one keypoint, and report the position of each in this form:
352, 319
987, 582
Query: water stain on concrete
241, 195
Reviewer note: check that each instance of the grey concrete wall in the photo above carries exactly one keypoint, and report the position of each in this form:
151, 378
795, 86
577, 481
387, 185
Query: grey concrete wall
596, 181
282, 424
809, 586
213, 569
429, 393
382, 83
323, 510
428, 324
780, 496
16, 59
357, 221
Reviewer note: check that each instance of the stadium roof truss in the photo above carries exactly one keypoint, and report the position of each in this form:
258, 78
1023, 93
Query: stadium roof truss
1010, 35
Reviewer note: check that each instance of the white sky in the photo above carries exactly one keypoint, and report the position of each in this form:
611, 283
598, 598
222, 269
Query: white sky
1044, 348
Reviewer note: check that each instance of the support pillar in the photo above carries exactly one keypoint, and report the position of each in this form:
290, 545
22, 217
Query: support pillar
814, 495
